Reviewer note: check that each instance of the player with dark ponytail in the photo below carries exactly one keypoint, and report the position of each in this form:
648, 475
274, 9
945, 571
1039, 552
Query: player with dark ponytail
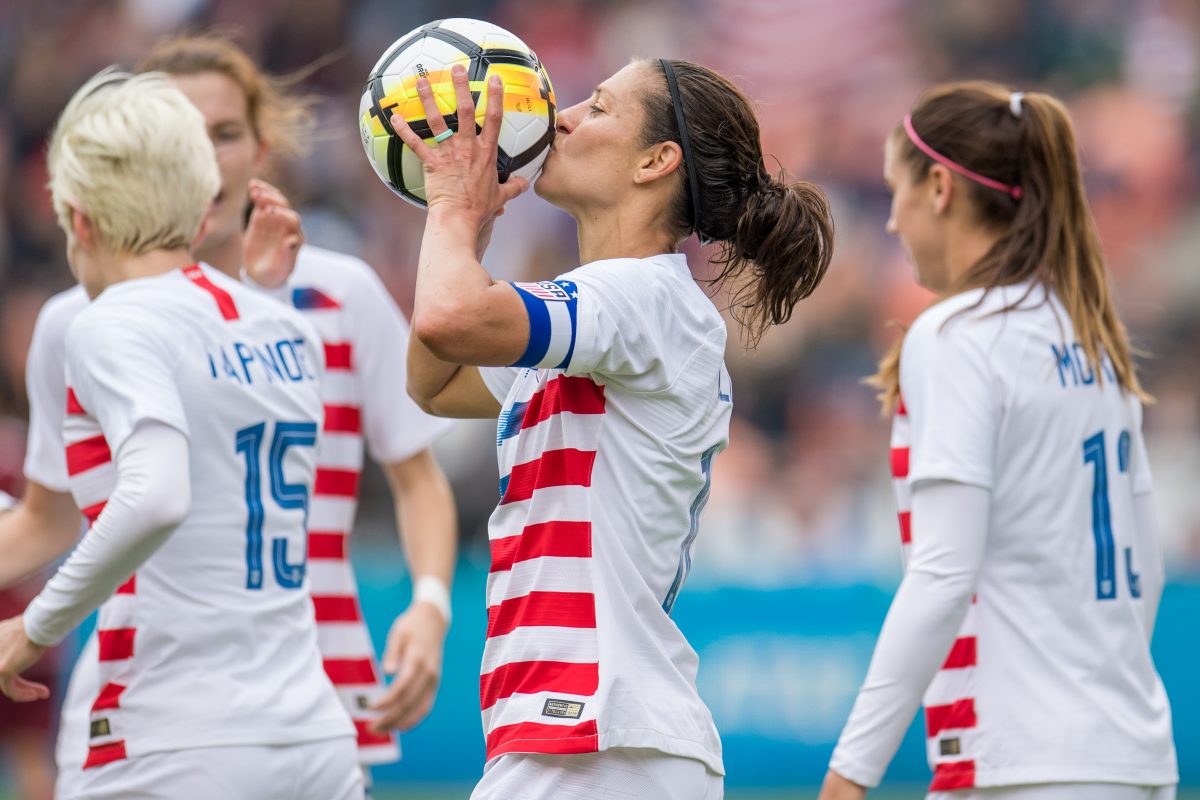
612, 396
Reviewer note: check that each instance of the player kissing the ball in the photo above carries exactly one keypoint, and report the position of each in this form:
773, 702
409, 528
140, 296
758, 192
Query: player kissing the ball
612, 398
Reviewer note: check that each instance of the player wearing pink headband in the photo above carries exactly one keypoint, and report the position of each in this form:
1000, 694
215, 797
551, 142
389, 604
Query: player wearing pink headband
1033, 573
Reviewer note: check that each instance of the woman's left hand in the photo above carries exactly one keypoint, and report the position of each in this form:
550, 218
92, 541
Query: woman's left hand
460, 171
18, 654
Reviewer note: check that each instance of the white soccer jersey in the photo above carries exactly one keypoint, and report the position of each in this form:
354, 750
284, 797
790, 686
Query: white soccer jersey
1050, 679
211, 641
365, 398
606, 442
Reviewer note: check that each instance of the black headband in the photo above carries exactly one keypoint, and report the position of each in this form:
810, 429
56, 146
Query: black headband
686, 145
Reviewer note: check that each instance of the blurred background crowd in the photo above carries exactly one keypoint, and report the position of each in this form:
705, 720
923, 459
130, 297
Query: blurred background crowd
802, 496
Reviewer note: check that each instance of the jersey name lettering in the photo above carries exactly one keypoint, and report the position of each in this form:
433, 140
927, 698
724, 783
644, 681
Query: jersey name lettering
283, 361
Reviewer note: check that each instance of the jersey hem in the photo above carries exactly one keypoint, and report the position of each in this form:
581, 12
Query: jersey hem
651, 739
375, 755
231, 736
1078, 773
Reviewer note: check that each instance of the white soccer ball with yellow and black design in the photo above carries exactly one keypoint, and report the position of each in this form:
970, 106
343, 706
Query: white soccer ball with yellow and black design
484, 50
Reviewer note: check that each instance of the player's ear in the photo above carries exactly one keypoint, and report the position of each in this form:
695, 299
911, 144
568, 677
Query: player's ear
82, 229
657, 161
941, 188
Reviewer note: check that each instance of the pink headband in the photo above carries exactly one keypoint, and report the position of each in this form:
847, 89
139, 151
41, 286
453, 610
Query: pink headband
1015, 191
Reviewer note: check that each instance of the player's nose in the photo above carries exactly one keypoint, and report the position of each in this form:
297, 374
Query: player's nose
568, 119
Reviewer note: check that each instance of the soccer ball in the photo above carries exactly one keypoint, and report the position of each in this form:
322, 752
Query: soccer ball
431, 50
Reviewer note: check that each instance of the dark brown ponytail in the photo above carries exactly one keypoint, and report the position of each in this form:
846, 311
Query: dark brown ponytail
775, 238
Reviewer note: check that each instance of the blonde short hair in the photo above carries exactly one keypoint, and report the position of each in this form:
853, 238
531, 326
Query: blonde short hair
132, 154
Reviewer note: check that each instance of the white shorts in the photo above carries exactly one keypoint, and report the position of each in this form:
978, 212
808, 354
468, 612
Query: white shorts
623, 773
323, 770
1062, 791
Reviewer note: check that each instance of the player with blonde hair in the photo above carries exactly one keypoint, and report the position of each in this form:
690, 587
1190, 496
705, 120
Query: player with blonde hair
192, 409
1033, 571
252, 118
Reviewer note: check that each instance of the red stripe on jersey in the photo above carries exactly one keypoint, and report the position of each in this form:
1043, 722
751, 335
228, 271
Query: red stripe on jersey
564, 394
566, 467
116, 644
538, 609
87, 454
73, 406
899, 462
559, 539
109, 697
342, 419
959, 714
327, 544
901, 411
338, 356
367, 738
532, 677
336, 608
101, 754
224, 299
962, 654
905, 527
539, 737
129, 586
953, 775
92, 513
336, 483
351, 671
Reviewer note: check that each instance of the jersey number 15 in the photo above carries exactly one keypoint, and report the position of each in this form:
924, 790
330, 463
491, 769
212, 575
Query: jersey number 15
286, 495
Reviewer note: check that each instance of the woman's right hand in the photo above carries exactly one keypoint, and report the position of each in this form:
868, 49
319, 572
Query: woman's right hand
460, 171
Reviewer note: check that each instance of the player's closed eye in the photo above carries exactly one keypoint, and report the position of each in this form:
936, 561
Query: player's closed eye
228, 134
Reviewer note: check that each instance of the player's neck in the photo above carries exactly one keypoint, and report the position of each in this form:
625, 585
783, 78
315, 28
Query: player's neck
965, 249
146, 265
225, 255
623, 232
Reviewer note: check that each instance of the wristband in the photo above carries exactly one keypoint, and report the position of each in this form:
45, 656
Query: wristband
432, 590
